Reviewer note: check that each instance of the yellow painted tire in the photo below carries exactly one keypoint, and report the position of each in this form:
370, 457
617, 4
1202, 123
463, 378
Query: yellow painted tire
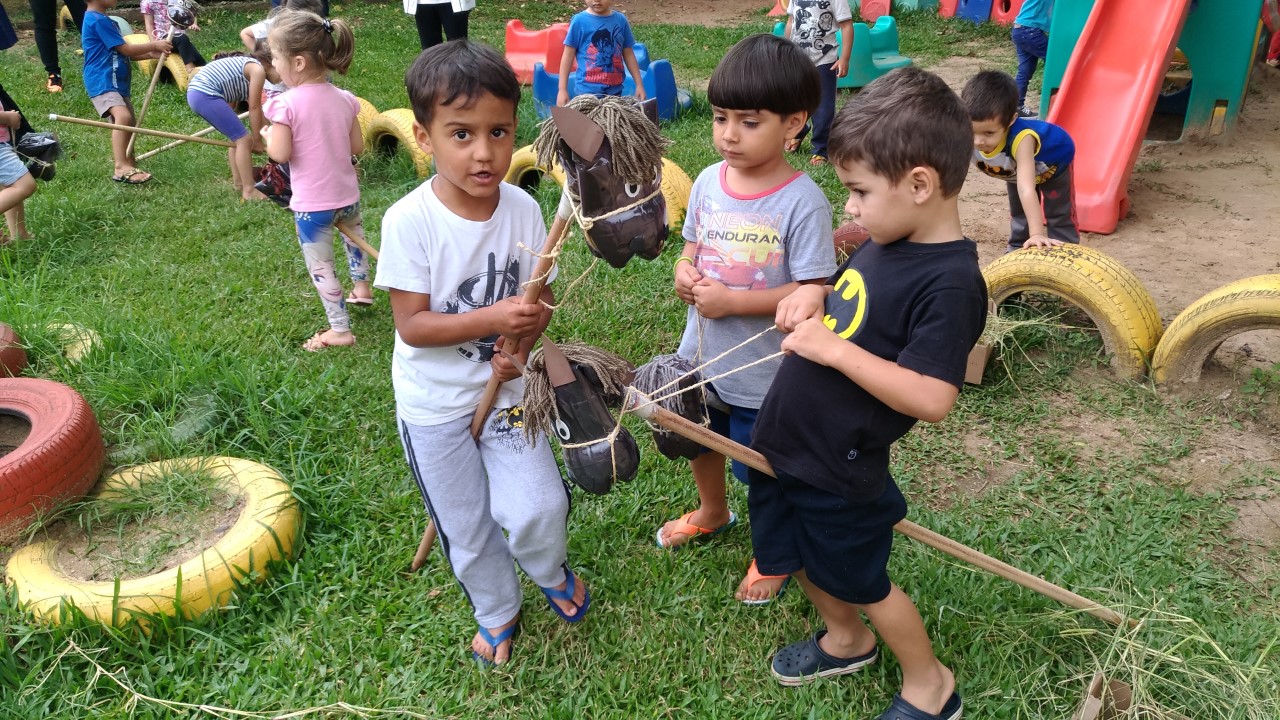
365, 117
77, 341
64, 18
1193, 336
676, 185
392, 130
1113, 298
267, 529
172, 64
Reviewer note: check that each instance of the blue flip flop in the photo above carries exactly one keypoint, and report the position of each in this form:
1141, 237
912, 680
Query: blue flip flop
570, 588
902, 710
494, 641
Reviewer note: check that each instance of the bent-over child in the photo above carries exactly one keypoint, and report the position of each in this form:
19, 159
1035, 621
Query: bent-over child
216, 91
812, 25
314, 129
16, 183
1032, 156
456, 253
757, 228
155, 16
883, 344
601, 42
106, 80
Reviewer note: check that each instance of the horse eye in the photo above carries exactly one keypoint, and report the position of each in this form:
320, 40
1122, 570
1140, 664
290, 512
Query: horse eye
631, 189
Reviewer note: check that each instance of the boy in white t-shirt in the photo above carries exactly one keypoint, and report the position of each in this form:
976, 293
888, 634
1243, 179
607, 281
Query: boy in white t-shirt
456, 252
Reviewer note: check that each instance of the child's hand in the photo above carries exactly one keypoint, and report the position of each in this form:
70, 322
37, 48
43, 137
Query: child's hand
516, 319
686, 277
808, 301
640, 91
503, 368
11, 118
1041, 241
712, 298
813, 340
562, 98
841, 68
162, 46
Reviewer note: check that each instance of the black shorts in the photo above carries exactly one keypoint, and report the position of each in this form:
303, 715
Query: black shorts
843, 547
736, 425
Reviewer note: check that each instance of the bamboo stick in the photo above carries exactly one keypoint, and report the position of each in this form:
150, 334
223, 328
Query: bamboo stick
176, 143
138, 130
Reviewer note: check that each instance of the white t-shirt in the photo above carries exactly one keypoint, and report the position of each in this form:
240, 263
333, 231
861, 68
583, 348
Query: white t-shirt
463, 265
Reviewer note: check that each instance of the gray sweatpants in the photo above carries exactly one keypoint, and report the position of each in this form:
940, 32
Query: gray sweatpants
474, 491
1059, 211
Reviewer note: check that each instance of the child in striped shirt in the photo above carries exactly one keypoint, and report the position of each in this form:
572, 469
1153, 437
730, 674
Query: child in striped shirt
214, 93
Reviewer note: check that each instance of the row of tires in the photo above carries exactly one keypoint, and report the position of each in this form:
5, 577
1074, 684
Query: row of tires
1125, 315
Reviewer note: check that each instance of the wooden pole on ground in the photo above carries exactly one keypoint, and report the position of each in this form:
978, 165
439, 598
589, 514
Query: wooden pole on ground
640, 405
139, 131
155, 78
546, 261
176, 143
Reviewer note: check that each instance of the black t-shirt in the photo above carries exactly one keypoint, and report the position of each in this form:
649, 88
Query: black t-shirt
922, 306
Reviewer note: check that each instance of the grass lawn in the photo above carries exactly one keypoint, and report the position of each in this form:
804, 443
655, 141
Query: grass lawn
195, 294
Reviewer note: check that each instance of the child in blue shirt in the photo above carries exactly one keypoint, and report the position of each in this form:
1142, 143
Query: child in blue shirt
601, 41
106, 79
1031, 42
1033, 156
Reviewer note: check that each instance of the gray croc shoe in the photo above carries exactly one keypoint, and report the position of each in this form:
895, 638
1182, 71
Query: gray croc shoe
903, 710
801, 662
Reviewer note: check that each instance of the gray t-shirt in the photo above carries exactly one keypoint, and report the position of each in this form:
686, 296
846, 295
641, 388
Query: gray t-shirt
751, 242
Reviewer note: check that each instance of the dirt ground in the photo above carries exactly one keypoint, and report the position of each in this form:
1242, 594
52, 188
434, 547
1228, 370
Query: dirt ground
692, 12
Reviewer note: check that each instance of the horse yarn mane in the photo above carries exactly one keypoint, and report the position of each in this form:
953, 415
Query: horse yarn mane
614, 372
636, 141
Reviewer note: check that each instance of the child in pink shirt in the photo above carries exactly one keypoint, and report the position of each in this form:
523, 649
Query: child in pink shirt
314, 129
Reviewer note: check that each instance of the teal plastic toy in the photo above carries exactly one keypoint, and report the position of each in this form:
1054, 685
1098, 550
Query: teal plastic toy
875, 51
1218, 39
903, 4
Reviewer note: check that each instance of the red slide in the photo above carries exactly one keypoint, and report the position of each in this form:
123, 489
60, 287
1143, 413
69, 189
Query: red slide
1107, 96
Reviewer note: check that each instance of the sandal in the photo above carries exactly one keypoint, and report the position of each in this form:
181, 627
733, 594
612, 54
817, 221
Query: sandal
792, 145
754, 576
571, 586
687, 528
903, 710
494, 641
128, 178
362, 301
817, 161
803, 661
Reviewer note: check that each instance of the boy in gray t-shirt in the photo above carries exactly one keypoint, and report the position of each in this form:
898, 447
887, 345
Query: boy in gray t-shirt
755, 230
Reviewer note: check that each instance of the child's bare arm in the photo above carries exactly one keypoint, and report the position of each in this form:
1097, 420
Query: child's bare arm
1026, 159
257, 76
846, 48
633, 67
714, 300
246, 37
786, 31
142, 50
566, 67
280, 146
150, 24
503, 368
418, 326
807, 301
905, 390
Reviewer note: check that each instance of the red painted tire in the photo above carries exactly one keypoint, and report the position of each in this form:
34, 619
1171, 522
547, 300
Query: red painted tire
849, 237
12, 357
60, 459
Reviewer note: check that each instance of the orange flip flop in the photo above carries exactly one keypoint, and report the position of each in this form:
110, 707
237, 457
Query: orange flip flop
754, 576
687, 528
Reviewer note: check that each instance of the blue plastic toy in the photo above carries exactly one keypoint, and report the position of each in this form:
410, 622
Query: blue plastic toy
975, 11
659, 80
875, 51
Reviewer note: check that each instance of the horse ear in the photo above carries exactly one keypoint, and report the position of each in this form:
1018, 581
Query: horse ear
650, 108
579, 132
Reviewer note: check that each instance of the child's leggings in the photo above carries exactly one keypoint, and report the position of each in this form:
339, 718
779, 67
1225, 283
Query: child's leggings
315, 234
475, 489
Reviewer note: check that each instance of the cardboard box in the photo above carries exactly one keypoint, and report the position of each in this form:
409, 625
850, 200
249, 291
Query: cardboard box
979, 356
1112, 700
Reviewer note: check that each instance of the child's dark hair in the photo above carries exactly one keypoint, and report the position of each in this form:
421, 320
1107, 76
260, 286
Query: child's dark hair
262, 52
991, 95
328, 43
907, 118
229, 53
458, 69
764, 72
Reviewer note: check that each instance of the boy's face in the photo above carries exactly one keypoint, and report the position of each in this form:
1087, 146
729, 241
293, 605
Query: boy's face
101, 4
748, 139
988, 134
883, 207
472, 141
599, 7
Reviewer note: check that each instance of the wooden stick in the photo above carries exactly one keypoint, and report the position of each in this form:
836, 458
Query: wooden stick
359, 241
638, 404
559, 230
140, 131
176, 143
146, 101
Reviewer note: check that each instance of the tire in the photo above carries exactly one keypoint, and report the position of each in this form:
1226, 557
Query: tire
59, 460
676, 185
1193, 336
365, 117
13, 358
266, 530
174, 68
392, 130
1113, 298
